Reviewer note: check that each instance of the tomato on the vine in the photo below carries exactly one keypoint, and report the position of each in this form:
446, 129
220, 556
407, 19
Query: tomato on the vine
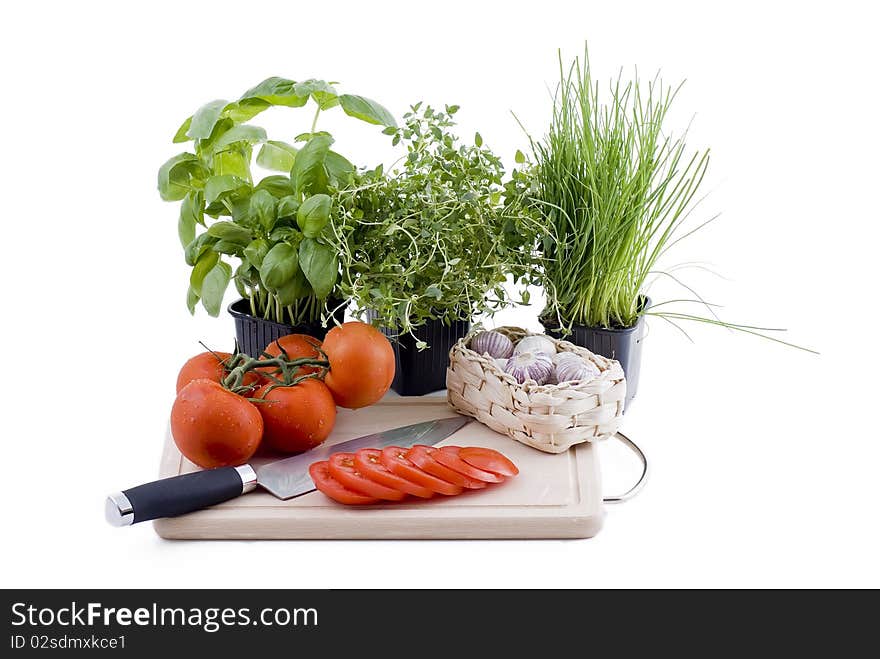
298, 417
361, 364
214, 427
297, 346
211, 366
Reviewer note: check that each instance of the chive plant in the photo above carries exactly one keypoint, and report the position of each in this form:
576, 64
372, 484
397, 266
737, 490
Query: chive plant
613, 188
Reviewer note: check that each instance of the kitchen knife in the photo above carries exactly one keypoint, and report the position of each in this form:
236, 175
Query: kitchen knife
285, 478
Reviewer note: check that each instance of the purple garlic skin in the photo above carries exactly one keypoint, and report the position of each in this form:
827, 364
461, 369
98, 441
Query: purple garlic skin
574, 368
535, 344
525, 366
494, 344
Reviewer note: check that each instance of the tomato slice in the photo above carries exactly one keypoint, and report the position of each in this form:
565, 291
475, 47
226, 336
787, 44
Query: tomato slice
329, 486
448, 457
369, 462
344, 470
395, 460
421, 457
488, 459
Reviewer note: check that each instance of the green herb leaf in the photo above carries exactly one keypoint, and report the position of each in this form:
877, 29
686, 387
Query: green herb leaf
214, 286
309, 173
180, 135
320, 265
202, 267
366, 110
218, 186
205, 118
233, 163
339, 169
278, 186
190, 214
241, 133
177, 174
287, 207
276, 91
434, 292
279, 266
322, 92
197, 247
478, 139
277, 156
231, 232
192, 299
256, 251
519, 158
313, 214
263, 208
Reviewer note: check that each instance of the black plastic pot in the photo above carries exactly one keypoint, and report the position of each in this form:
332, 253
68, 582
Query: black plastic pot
254, 333
624, 345
421, 372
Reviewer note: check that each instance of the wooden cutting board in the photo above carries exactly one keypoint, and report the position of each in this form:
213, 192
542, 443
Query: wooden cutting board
554, 496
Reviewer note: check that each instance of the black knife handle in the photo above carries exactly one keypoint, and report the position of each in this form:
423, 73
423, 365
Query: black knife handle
177, 495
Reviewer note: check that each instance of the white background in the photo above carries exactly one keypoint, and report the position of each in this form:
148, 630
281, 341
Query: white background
764, 458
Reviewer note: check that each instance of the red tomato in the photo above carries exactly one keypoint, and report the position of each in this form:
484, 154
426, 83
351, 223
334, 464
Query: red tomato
489, 460
448, 457
211, 366
297, 418
296, 346
320, 473
214, 427
344, 470
369, 462
395, 460
421, 457
361, 364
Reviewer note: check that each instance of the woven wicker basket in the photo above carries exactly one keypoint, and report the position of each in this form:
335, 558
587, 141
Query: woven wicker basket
551, 418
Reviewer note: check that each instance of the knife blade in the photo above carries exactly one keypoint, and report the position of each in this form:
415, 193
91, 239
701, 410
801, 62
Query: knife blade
285, 479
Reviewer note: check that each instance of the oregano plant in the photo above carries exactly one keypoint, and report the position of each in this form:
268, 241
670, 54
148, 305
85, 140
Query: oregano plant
275, 231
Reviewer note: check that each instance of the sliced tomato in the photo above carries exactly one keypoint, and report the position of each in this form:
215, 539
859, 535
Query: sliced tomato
448, 457
489, 460
395, 460
421, 457
344, 470
320, 473
369, 462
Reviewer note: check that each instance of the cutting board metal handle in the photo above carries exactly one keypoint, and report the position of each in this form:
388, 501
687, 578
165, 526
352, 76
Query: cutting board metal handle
174, 496
635, 489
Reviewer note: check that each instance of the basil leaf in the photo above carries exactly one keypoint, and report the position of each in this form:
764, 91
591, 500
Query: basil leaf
241, 133
190, 214
217, 186
202, 267
180, 135
278, 186
277, 91
279, 266
320, 265
197, 247
205, 118
231, 232
366, 110
256, 251
313, 215
263, 208
296, 288
309, 173
214, 286
245, 109
229, 247
233, 163
323, 93
339, 169
192, 299
176, 176
277, 156
287, 207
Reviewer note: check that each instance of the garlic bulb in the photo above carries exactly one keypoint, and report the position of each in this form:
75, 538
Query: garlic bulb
494, 344
524, 366
565, 354
535, 344
578, 368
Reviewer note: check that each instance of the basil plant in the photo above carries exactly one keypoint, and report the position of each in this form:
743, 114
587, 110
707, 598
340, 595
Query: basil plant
278, 229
